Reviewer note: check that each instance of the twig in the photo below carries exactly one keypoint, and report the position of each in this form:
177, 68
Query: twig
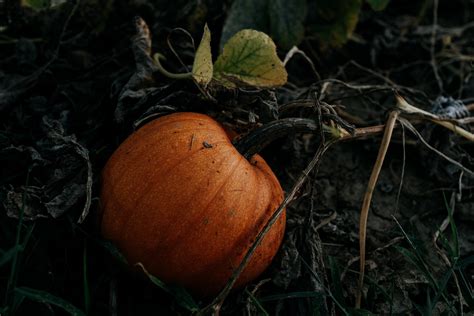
402, 176
357, 258
295, 50
417, 134
433, 44
170, 45
404, 106
326, 220
389, 126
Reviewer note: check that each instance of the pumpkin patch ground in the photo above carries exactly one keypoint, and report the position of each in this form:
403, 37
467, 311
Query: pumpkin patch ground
237, 157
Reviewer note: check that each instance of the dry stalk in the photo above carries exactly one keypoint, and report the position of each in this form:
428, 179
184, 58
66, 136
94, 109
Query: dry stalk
364, 214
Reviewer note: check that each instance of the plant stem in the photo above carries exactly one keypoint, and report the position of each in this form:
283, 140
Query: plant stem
259, 138
163, 71
406, 107
364, 214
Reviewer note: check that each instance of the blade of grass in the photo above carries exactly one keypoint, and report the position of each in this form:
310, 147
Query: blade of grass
466, 289
183, 298
450, 250
464, 263
454, 234
16, 256
48, 298
328, 290
442, 286
335, 279
8, 255
112, 250
257, 303
285, 296
417, 259
87, 296
360, 312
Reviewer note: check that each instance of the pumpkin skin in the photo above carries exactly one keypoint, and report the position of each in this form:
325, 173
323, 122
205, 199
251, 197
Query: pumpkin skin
179, 198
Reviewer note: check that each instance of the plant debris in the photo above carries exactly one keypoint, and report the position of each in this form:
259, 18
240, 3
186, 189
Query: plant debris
76, 78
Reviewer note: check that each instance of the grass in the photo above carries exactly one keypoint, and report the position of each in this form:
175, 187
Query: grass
11, 301
48, 298
454, 273
449, 288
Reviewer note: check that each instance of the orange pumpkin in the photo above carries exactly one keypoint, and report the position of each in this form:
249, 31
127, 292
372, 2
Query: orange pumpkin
179, 198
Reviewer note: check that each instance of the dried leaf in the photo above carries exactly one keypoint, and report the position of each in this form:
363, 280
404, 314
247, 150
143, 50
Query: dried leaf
26, 200
250, 58
449, 108
36, 4
67, 176
134, 89
71, 157
202, 67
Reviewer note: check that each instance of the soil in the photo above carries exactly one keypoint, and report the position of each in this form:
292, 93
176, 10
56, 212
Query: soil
72, 88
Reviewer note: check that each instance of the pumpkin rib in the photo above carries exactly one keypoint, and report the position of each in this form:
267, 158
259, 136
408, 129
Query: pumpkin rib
169, 120
128, 226
138, 152
241, 240
226, 179
124, 175
140, 200
244, 238
167, 170
151, 141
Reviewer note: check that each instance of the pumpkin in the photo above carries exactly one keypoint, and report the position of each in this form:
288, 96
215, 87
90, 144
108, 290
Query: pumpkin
179, 198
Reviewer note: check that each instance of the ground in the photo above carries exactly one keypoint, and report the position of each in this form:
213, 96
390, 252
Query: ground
72, 89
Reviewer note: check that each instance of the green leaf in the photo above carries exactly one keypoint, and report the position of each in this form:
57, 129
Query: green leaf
45, 297
8, 255
250, 58
36, 4
378, 5
283, 20
286, 22
202, 67
333, 21
245, 14
183, 298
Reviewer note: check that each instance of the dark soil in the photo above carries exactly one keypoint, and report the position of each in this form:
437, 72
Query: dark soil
66, 103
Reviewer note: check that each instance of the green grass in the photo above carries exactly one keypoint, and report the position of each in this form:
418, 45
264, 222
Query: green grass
182, 297
48, 298
87, 294
13, 255
454, 275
